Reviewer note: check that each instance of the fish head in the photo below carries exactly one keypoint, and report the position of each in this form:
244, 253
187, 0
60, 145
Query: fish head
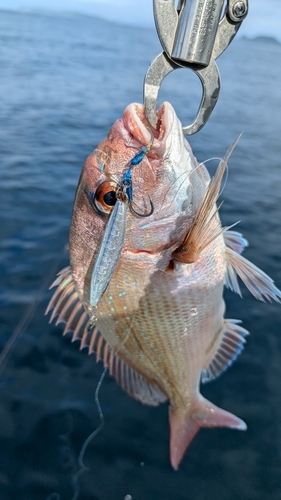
167, 178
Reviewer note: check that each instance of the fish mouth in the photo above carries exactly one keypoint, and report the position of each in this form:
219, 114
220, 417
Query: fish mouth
138, 126
157, 179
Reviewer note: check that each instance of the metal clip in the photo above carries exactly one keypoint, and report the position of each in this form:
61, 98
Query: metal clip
193, 36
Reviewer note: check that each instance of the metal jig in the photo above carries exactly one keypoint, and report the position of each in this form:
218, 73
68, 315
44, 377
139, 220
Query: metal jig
193, 36
114, 235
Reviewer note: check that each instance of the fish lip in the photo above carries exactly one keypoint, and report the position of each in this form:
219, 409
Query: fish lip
167, 120
136, 123
165, 117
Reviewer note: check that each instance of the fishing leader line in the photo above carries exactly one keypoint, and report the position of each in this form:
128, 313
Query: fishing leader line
83, 467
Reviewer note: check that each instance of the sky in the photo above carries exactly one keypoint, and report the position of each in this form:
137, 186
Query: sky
264, 16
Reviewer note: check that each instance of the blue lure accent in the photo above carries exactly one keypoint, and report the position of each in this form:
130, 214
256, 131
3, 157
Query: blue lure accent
140, 156
127, 182
90, 326
127, 177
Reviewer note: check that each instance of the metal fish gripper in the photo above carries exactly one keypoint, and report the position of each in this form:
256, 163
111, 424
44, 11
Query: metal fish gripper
193, 36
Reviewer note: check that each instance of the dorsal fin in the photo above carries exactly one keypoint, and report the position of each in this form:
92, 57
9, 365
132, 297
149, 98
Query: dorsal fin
134, 384
206, 226
258, 283
231, 344
66, 303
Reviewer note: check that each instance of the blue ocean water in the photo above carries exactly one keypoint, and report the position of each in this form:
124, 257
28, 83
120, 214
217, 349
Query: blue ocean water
64, 80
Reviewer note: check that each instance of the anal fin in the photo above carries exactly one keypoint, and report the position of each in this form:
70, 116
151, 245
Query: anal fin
231, 345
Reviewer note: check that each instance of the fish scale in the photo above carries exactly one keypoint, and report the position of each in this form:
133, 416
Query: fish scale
158, 306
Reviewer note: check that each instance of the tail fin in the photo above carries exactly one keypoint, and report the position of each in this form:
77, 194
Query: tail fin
184, 424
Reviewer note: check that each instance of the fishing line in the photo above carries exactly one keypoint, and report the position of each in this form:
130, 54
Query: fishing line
188, 175
226, 171
101, 417
29, 313
83, 467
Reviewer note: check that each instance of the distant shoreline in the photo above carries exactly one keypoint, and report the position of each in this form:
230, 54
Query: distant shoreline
261, 38
74, 13
71, 13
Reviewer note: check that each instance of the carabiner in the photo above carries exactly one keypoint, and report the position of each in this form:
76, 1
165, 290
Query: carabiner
193, 36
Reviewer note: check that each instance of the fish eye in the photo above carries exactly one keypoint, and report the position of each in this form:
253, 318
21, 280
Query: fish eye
105, 197
110, 198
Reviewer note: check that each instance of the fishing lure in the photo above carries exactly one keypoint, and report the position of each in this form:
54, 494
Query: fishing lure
114, 234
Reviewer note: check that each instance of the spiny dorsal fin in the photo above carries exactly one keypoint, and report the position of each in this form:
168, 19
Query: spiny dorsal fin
66, 303
206, 226
258, 283
231, 345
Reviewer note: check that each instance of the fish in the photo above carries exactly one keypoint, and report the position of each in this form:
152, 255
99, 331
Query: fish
163, 257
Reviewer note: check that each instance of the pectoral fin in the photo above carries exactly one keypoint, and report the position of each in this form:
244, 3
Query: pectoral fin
206, 226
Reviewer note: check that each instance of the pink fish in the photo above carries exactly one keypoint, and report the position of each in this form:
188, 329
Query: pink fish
148, 263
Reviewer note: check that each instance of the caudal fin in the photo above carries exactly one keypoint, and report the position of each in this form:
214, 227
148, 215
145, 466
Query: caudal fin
184, 424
